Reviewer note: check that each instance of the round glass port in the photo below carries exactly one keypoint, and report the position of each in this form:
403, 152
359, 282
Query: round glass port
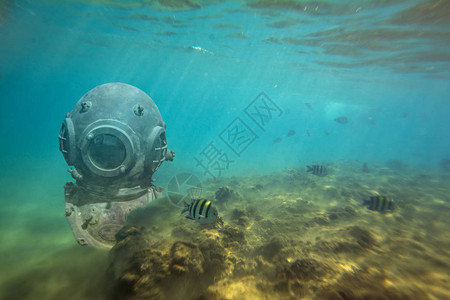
107, 151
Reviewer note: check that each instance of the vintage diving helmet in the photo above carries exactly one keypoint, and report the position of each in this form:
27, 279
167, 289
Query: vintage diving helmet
115, 139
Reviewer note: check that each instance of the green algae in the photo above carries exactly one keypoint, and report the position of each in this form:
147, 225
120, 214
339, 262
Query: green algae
289, 235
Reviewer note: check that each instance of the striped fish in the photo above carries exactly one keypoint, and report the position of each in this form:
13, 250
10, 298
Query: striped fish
202, 211
380, 203
317, 170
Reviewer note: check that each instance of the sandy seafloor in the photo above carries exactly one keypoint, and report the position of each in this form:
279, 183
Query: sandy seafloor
287, 235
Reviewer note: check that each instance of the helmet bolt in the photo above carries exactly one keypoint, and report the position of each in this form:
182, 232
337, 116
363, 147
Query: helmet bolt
138, 110
85, 105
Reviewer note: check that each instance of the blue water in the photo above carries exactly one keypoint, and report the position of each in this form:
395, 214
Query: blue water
392, 86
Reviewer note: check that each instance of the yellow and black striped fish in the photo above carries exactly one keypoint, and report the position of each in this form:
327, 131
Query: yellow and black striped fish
202, 211
317, 170
380, 203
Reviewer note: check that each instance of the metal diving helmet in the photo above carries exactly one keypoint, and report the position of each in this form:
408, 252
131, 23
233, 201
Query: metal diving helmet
115, 139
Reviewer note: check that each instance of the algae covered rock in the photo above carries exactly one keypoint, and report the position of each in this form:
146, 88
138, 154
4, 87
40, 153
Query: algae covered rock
362, 236
271, 248
240, 217
345, 213
233, 234
321, 220
273, 245
186, 258
134, 265
143, 269
224, 194
304, 269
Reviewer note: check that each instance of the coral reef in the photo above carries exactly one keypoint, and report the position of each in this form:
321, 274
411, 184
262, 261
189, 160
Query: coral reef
292, 236
224, 194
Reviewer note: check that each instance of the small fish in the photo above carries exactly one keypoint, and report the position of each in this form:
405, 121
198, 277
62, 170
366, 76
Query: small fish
365, 168
291, 132
317, 170
341, 120
308, 132
380, 204
308, 105
326, 132
277, 140
203, 211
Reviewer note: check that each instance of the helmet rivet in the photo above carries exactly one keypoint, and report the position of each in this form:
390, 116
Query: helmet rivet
85, 105
138, 110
